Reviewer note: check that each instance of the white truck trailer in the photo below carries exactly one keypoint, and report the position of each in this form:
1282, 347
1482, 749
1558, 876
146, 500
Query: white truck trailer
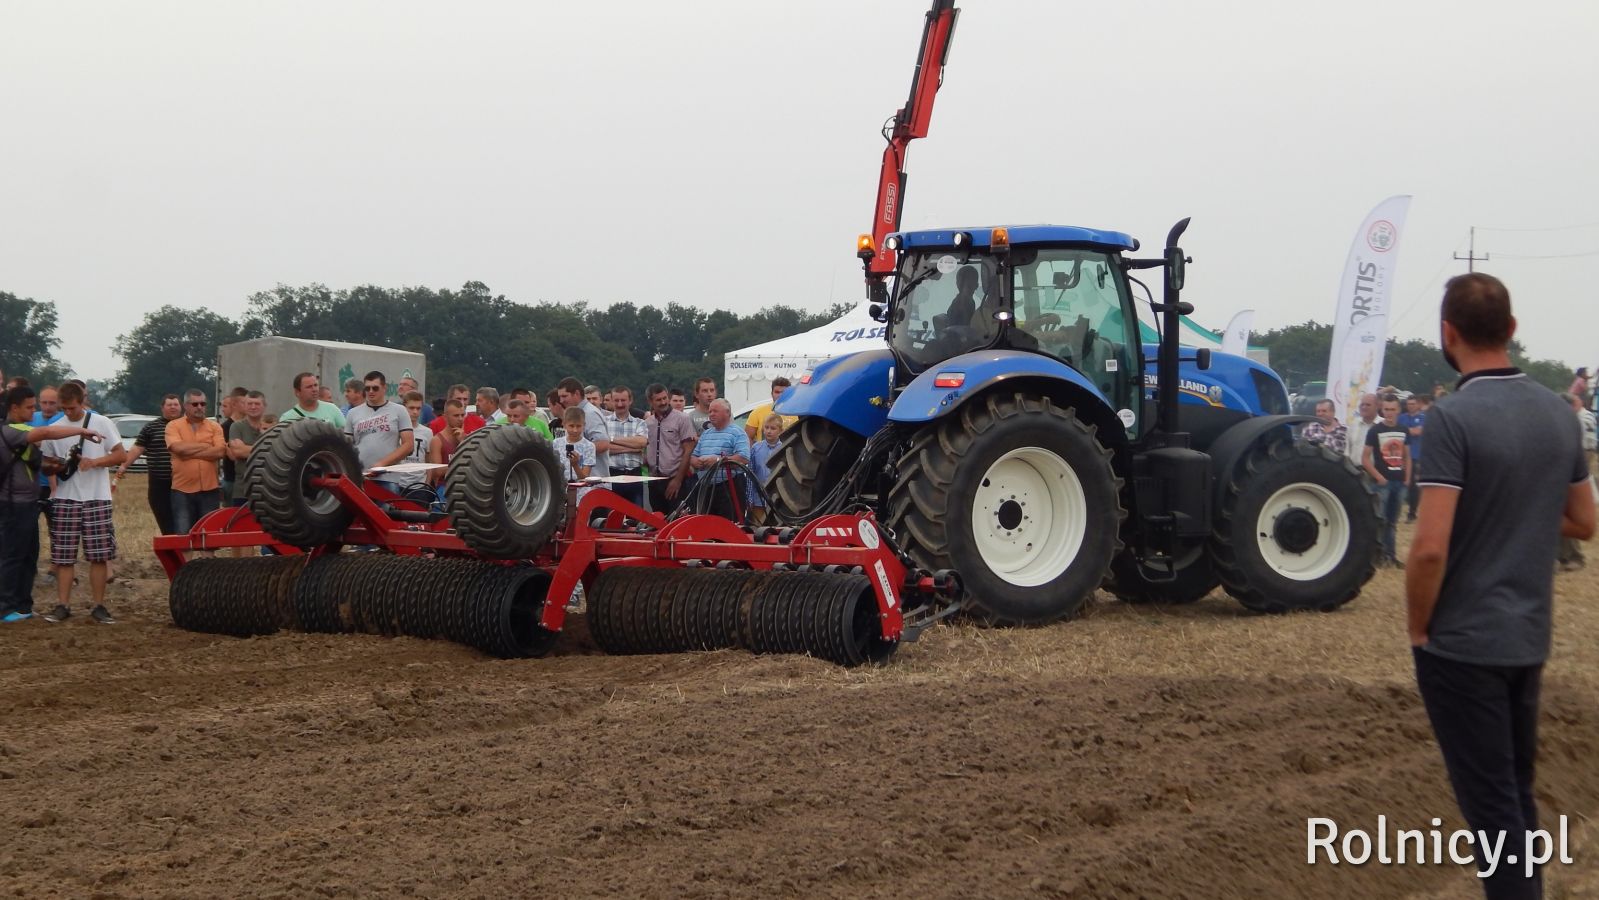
269, 365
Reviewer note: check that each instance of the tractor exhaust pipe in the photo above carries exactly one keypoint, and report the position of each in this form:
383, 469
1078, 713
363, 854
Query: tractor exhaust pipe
1172, 310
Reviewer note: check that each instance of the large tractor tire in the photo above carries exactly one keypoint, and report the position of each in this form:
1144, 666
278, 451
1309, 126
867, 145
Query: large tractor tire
1017, 495
504, 492
809, 462
1133, 582
276, 483
1297, 529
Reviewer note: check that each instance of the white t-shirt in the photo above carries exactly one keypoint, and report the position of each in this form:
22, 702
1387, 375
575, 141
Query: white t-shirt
87, 484
1356, 449
419, 454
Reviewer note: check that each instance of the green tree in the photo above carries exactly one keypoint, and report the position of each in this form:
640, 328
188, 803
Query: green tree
1299, 353
172, 350
28, 341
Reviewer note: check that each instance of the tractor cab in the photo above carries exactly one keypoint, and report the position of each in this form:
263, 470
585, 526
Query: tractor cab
1052, 290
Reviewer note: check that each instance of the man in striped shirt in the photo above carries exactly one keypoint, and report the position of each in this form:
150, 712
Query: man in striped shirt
720, 442
152, 445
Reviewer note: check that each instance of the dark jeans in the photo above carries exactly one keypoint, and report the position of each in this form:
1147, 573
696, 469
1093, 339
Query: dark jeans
1392, 496
188, 509
159, 493
730, 499
658, 501
1413, 494
1486, 722
19, 555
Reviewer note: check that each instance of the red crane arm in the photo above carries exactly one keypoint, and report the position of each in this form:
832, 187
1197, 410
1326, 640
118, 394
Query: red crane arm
907, 125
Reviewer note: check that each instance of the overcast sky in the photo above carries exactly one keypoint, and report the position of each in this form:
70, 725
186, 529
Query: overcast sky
726, 153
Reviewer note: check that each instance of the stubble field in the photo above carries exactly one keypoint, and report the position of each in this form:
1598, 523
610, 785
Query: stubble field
1137, 751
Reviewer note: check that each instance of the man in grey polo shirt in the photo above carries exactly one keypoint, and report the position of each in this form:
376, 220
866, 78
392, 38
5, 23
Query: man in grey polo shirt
1503, 477
380, 429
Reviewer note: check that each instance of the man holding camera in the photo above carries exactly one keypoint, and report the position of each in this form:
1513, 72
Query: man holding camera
20, 454
80, 504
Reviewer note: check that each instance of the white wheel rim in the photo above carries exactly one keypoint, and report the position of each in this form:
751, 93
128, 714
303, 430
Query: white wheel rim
1332, 537
1029, 516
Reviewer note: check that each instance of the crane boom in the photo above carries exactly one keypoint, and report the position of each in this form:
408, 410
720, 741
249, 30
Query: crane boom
907, 125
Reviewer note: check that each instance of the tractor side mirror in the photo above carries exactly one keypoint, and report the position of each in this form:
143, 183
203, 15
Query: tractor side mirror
1202, 358
877, 312
877, 292
1176, 268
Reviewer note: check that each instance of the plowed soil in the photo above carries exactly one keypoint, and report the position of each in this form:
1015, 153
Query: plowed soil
1155, 752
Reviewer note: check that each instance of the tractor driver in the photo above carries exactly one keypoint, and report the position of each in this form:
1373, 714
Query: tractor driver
964, 306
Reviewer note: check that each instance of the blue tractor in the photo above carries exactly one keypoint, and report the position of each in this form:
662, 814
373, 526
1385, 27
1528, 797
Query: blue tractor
1017, 431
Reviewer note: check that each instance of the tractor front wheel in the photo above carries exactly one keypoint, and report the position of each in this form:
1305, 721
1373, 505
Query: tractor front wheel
1017, 495
1297, 530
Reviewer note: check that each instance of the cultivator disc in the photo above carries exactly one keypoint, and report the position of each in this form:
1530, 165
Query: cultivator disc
827, 615
494, 608
239, 597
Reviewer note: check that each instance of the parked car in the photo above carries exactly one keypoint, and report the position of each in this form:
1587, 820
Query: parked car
129, 427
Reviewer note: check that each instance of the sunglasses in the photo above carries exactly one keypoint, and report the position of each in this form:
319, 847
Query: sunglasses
199, 403
373, 387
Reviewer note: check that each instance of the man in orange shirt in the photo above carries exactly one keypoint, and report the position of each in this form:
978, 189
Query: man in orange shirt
196, 443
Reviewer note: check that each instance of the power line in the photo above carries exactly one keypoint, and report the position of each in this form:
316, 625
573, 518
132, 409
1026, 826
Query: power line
1412, 306
1548, 255
1549, 228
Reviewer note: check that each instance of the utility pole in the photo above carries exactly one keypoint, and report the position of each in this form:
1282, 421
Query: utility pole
1471, 252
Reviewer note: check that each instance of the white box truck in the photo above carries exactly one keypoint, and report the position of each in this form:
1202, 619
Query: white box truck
269, 365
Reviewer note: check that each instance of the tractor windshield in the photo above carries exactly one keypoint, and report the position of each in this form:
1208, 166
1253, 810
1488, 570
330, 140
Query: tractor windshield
945, 306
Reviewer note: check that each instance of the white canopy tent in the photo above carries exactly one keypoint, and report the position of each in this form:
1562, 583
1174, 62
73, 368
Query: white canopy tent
747, 374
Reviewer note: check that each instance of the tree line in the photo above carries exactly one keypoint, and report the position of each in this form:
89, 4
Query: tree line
477, 337
470, 335
1299, 354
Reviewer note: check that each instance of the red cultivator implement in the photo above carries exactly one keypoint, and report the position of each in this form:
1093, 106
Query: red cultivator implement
497, 567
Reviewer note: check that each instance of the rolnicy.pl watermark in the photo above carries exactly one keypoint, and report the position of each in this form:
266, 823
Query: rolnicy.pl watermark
1429, 847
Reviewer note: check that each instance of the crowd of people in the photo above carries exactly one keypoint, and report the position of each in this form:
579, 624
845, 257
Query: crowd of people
61, 460
1385, 442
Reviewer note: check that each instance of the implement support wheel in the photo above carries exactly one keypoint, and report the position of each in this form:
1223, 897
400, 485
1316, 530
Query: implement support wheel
277, 482
504, 492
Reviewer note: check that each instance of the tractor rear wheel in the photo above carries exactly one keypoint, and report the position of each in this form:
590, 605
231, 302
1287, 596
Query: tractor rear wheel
1195, 577
504, 492
809, 462
277, 488
1017, 495
1297, 529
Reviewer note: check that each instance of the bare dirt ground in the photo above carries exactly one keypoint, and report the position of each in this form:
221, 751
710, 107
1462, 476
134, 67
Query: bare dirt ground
1155, 752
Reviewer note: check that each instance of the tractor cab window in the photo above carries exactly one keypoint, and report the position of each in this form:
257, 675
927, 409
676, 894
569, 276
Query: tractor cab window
1074, 304
946, 305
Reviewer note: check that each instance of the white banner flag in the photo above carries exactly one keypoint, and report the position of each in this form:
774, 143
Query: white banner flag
1360, 330
1235, 339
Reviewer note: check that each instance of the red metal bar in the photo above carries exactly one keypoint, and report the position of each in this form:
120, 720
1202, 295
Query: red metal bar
910, 123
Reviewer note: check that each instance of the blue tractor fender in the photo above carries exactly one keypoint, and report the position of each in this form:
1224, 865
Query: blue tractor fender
1235, 443
923, 400
851, 390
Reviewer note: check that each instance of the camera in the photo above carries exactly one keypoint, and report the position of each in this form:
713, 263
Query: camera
571, 448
